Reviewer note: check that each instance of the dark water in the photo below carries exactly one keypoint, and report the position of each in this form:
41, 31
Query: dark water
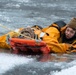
21, 13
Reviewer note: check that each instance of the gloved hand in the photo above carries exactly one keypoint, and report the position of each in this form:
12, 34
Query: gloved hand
71, 48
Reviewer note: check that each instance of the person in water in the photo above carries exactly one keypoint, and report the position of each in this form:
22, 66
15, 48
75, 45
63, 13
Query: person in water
59, 36
52, 32
53, 36
69, 35
60, 39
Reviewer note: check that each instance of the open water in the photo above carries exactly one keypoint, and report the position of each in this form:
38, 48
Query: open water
22, 13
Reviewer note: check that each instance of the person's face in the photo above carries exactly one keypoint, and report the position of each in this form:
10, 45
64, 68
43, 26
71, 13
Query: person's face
69, 32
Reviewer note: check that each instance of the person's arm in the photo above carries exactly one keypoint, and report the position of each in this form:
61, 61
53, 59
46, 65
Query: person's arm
55, 46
